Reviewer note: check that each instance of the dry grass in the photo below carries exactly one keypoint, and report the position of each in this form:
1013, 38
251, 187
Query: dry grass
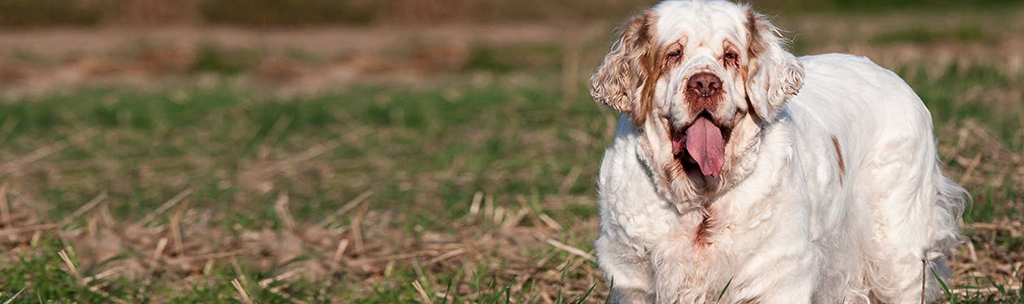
222, 190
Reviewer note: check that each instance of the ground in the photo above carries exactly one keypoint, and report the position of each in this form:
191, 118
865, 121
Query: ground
449, 163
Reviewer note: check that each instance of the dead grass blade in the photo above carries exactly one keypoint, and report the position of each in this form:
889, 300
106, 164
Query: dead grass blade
514, 220
339, 252
179, 242
209, 256
572, 250
105, 274
45, 151
71, 266
357, 232
570, 179
423, 294
166, 206
283, 213
474, 207
352, 204
34, 228
241, 291
160, 246
550, 222
446, 256
85, 208
264, 283
402, 256
5, 209
970, 169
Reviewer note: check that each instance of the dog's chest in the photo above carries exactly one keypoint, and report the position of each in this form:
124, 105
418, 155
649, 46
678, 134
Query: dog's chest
649, 226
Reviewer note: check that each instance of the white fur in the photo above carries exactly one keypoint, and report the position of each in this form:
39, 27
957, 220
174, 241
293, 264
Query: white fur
789, 226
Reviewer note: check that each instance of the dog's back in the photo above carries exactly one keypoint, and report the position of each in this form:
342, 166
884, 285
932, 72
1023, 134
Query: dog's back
884, 150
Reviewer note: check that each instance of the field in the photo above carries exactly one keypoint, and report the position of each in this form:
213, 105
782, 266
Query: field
390, 164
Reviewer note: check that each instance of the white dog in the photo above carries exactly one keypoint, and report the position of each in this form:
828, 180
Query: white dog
737, 167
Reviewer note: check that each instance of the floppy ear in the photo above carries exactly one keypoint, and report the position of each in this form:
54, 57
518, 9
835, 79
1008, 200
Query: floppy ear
773, 74
621, 80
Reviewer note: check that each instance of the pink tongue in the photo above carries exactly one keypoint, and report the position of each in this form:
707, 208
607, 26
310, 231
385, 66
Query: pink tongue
705, 144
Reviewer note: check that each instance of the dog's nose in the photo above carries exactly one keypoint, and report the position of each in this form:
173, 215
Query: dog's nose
705, 84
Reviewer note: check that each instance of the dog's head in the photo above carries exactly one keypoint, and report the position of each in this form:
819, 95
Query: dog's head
700, 79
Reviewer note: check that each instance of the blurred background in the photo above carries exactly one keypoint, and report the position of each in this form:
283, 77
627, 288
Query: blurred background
431, 151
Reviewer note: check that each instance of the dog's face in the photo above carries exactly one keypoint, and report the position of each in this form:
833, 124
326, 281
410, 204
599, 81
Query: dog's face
700, 79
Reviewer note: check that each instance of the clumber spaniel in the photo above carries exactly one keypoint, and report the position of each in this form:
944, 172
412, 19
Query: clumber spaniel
739, 167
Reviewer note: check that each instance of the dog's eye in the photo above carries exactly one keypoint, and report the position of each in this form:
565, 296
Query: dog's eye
731, 58
673, 55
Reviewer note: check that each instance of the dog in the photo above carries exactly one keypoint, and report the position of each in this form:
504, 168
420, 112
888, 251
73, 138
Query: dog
740, 173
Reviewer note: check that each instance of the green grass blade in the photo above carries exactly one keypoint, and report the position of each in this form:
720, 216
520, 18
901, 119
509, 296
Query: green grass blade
15, 296
587, 295
724, 289
944, 287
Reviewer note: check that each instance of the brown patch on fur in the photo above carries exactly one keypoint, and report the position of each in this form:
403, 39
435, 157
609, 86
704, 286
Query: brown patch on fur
839, 159
632, 63
754, 49
650, 61
754, 44
701, 237
674, 170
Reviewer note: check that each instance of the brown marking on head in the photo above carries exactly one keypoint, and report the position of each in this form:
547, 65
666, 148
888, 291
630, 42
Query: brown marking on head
754, 44
771, 74
653, 69
632, 63
839, 159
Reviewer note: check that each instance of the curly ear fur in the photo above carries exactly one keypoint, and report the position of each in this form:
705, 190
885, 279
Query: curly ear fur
624, 81
773, 74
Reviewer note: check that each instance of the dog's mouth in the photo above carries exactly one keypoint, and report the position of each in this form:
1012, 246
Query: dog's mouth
701, 145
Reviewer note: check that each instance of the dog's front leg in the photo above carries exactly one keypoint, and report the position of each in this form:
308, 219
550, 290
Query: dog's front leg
627, 271
798, 290
625, 295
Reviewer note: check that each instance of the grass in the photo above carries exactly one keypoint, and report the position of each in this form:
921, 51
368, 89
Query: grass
475, 189
216, 60
298, 13
20, 13
919, 35
406, 146
876, 6
507, 59
142, 149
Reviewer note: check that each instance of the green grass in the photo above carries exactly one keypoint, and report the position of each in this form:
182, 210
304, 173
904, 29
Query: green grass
216, 60
146, 147
506, 59
945, 97
920, 35
298, 13
45, 277
425, 152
